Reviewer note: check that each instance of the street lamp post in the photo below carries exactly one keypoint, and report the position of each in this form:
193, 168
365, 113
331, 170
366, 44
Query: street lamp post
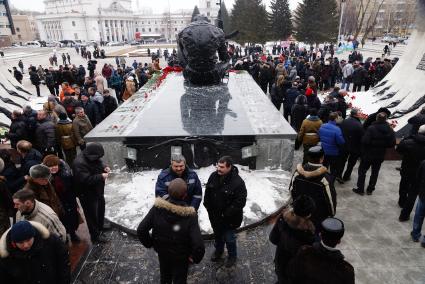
340, 20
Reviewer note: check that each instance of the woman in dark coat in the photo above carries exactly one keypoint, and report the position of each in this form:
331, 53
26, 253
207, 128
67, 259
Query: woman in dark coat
10, 172
62, 182
6, 204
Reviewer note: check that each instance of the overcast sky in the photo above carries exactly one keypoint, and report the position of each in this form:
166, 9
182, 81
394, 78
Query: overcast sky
157, 5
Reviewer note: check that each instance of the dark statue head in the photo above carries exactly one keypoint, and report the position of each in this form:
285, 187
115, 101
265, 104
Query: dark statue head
201, 18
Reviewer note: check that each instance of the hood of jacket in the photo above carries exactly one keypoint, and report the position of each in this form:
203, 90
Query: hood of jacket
6, 244
33, 155
177, 209
297, 222
317, 172
93, 151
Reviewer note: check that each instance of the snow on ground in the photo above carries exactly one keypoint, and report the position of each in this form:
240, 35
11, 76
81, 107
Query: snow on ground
129, 196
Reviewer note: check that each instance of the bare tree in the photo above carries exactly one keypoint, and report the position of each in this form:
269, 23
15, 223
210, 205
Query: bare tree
371, 21
362, 11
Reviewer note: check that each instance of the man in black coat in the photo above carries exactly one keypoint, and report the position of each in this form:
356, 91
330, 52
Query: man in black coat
292, 230
322, 262
313, 180
18, 75
417, 121
109, 103
176, 248
372, 117
90, 109
35, 79
412, 149
90, 174
377, 138
18, 129
29, 254
225, 198
45, 137
353, 132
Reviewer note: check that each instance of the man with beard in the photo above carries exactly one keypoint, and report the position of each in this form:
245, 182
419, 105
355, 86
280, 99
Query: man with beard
178, 169
225, 198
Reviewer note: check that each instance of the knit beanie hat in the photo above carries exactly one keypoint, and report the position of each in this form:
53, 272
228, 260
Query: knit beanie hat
51, 161
22, 231
40, 171
63, 116
303, 206
177, 189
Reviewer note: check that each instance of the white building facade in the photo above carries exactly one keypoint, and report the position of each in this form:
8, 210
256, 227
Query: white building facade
112, 20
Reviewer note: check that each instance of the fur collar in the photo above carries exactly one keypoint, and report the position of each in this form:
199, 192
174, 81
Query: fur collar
311, 174
176, 209
42, 230
297, 222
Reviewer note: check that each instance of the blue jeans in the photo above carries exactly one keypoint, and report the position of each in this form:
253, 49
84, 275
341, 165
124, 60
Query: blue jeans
227, 237
418, 220
345, 84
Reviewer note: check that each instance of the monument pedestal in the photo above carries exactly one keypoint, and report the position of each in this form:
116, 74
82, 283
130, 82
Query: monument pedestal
202, 122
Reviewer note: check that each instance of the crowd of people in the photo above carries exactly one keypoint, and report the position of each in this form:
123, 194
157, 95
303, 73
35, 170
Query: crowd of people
39, 213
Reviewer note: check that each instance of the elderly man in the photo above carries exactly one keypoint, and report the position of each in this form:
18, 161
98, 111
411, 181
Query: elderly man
178, 169
31, 209
80, 127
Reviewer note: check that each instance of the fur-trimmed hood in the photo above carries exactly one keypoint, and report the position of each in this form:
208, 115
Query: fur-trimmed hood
311, 174
180, 210
5, 240
297, 222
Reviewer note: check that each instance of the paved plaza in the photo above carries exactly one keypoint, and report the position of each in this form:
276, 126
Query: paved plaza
375, 243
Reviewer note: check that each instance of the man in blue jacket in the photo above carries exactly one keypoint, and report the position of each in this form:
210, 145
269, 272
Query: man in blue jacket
178, 169
332, 140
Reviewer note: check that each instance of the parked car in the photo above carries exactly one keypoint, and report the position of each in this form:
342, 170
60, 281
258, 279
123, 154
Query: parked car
32, 44
115, 44
390, 38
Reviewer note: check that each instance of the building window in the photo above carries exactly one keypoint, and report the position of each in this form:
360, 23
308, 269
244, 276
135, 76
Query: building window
175, 29
156, 29
208, 14
75, 36
73, 23
208, 4
150, 29
137, 29
143, 30
19, 37
18, 30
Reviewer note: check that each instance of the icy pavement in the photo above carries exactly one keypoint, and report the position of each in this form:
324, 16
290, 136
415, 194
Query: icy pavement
129, 196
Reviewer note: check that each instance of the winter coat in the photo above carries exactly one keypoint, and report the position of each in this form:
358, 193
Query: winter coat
87, 169
412, 149
309, 131
225, 198
352, 130
46, 194
6, 206
50, 80
32, 158
313, 101
68, 77
66, 90
299, 112
291, 95
65, 135
44, 215
331, 138
35, 79
377, 138
17, 131
130, 89
92, 112
45, 138
359, 76
107, 72
194, 187
416, 122
277, 93
316, 264
176, 245
314, 181
47, 262
109, 104
289, 233
420, 181
347, 71
281, 70
100, 84
18, 75
80, 127
14, 181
